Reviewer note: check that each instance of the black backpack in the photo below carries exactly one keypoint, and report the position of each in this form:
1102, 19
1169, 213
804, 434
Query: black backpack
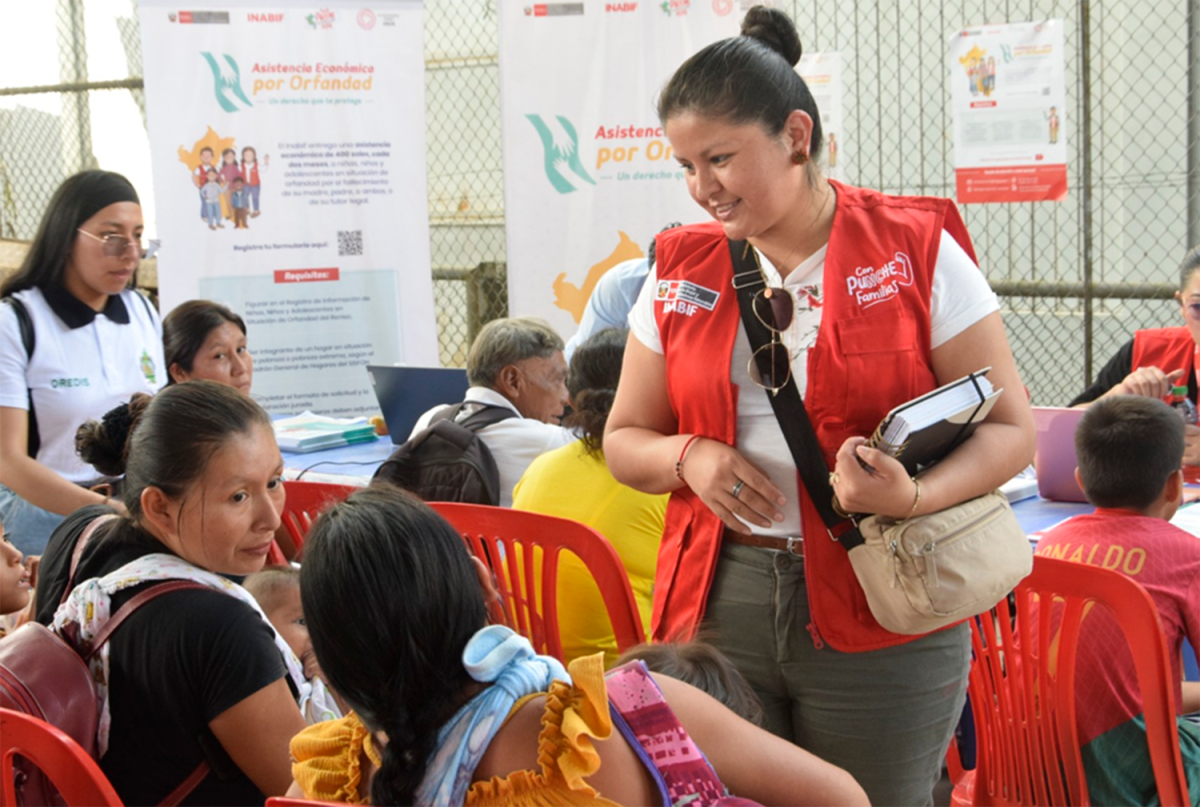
448, 461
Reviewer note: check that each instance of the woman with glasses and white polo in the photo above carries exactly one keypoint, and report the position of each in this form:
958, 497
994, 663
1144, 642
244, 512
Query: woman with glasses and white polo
869, 300
76, 340
1157, 359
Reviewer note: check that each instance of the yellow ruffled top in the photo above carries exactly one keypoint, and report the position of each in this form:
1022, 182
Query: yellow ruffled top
327, 757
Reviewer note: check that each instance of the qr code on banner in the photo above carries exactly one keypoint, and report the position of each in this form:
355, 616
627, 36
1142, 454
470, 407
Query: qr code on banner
350, 242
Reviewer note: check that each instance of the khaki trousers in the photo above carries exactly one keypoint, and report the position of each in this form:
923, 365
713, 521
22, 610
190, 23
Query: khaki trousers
886, 716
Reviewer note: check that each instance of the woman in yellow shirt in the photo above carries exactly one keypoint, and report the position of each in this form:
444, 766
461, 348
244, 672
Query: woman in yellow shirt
574, 482
449, 710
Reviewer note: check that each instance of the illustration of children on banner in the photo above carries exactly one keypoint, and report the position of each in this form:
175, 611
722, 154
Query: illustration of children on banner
229, 191
1009, 133
200, 177
980, 71
229, 172
239, 200
210, 192
250, 174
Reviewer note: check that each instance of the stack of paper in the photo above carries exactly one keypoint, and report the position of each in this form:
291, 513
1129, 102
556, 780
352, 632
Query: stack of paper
308, 432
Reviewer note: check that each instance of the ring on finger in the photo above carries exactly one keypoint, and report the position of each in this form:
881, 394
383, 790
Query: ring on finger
834, 478
737, 488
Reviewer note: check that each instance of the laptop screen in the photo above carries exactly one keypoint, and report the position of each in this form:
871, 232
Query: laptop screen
1055, 461
406, 393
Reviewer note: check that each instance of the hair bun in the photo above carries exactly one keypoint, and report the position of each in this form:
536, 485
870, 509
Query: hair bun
774, 29
102, 443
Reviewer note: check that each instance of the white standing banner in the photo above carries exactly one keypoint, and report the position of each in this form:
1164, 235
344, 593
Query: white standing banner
1010, 118
822, 72
589, 177
288, 149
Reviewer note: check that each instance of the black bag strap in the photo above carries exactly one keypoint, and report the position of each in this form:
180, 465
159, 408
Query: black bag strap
29, 340
24, 325
146, 304
488, 415
788, 405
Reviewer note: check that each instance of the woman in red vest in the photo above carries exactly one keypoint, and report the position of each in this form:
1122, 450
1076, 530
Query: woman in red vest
886, 303
1157, 359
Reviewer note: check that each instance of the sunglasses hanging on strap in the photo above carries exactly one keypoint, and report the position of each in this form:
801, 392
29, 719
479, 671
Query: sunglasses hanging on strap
765, 316
978, 545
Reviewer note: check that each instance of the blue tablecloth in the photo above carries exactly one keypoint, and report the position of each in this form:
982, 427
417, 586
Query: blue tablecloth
346, 465
1038, 514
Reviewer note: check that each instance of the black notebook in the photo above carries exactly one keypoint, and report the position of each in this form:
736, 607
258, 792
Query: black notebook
926, 429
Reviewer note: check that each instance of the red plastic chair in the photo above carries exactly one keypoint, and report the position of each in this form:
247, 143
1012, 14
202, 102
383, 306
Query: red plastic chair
76, 775
305, 501
275, 556
535, 542
1023, 692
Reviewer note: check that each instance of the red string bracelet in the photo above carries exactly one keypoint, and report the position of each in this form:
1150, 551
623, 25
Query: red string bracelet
682, 455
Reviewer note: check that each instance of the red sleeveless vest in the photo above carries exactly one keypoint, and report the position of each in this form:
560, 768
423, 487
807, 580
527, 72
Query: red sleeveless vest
1167, 349
872, 353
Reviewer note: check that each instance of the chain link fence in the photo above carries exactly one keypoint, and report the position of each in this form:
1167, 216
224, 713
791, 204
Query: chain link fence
1076, 278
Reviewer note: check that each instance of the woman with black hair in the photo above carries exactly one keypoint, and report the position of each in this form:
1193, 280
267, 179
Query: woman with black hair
205, 340
574, 482
858, 301
449, 710
76, 339
197, 675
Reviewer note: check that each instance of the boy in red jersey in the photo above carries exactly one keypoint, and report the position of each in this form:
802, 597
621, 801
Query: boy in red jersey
1129, 450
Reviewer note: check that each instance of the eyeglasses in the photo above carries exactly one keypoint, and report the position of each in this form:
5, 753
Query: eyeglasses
115, 246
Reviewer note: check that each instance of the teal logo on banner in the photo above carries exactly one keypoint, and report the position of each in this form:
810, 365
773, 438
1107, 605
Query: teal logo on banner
561, 153
227, 82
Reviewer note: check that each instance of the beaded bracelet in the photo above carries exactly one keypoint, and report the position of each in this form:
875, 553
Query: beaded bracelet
682, 455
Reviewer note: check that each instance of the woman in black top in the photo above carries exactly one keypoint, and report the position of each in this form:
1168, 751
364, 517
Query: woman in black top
197, 674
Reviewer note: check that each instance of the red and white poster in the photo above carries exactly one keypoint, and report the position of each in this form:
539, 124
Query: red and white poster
1010, 117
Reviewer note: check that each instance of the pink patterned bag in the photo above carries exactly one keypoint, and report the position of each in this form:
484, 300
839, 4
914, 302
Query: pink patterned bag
682, 772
